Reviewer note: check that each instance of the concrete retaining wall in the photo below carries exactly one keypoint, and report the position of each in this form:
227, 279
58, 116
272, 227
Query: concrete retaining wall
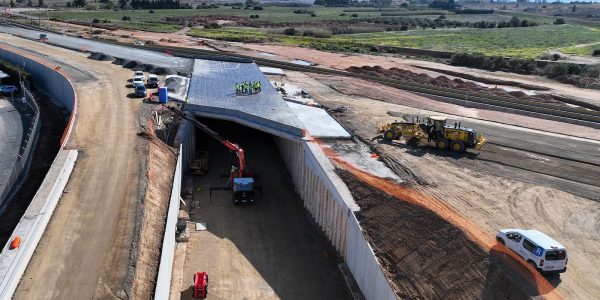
165, 269
332, 207
33, 223
49, 78
19, 172
186, 142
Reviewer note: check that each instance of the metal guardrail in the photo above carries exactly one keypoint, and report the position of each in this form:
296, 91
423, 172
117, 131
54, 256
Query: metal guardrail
20, 168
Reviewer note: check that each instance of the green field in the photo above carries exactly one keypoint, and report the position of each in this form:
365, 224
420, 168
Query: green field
270, 14
522, 42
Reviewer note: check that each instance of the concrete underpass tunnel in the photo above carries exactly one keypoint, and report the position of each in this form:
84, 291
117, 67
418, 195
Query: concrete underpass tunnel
261, 250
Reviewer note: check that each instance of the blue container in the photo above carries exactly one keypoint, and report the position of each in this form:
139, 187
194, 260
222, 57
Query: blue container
163, 96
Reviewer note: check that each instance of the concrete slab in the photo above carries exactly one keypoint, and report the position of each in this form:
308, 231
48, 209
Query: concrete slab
150, 57
11, 135
318, 122
271, 71
212, 94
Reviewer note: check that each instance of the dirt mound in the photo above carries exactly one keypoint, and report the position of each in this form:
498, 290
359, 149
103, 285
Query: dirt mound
445, 82
131, 64
121, 61
164, 71
101, 56
425, 256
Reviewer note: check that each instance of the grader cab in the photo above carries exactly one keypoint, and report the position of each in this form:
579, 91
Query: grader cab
434, 129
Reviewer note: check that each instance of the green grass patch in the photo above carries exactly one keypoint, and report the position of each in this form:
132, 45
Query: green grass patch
581, 50
271, 14
522, 42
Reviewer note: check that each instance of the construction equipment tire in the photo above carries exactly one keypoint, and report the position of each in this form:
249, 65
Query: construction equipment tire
457, 146
441, 144
389, 134
413, 142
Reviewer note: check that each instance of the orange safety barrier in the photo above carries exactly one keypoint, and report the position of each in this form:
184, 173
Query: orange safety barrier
16, 242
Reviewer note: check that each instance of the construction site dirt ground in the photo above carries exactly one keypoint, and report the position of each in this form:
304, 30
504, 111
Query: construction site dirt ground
266, 250
497, 187
85, 250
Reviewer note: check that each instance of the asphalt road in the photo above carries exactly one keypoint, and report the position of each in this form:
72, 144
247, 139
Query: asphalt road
158, 59
11, 134
269, 250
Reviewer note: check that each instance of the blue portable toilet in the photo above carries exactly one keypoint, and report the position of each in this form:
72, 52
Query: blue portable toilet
163, 96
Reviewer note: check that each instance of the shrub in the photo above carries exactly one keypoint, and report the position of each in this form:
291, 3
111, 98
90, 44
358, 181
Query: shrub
556, 70
354, 15
212, 26
524, 23
303, 11
313, 15
591, 71
96, 21
151, 11
514, 22
342, 14
290, 31
126, 18
254, 16
258, 8
596, 52
403, 28
317, 33
559, 21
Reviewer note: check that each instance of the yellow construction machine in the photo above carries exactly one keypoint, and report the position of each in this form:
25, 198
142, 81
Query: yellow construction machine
434, 129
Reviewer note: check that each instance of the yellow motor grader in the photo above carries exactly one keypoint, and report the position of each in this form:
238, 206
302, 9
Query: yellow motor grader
434, 129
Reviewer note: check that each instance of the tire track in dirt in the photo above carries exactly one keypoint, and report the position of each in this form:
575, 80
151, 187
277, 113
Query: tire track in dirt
433, 221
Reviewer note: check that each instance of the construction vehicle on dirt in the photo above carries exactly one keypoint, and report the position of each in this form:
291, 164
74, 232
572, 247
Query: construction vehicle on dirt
434, 129
240, 181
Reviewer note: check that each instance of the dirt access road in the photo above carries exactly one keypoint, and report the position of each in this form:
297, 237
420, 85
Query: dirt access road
489, 194
268, 250
84, 252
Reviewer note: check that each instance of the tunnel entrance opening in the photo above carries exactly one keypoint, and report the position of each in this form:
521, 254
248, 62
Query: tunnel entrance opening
266, 250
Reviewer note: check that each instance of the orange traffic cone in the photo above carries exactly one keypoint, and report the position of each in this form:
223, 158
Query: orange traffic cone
16, 242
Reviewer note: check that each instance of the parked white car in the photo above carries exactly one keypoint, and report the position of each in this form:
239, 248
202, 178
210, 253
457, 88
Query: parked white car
139, 74
138, 80
539, 250
8, 89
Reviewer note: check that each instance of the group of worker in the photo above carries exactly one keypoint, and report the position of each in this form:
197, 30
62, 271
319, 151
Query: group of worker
248, 87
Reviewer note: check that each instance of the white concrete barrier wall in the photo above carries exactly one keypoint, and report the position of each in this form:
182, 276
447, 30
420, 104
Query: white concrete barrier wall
363, 264
332, 207
165, 269
33, 223
45, 77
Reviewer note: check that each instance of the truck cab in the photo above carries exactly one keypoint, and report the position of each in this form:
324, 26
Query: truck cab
243, 190
43, 37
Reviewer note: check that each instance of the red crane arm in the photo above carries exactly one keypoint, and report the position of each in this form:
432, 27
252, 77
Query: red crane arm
231, 146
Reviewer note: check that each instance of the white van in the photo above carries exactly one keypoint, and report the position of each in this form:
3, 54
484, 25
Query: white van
139, 74
536, 248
